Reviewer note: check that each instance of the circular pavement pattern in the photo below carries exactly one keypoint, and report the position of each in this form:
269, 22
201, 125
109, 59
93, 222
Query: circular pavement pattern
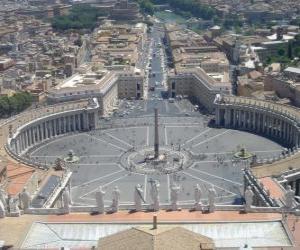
211, 151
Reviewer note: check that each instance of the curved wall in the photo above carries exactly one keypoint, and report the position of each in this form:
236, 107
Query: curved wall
49, 126
279, 122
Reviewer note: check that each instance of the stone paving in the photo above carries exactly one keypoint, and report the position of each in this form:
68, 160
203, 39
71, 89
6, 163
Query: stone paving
100, 153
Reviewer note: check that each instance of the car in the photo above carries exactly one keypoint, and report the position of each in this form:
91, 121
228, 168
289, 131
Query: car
171, 100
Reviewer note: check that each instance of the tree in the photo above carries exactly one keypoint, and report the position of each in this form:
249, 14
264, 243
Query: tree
290, 49
281, 52
14, 104
81, 16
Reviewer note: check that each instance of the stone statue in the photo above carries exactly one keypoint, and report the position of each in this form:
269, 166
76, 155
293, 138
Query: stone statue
197, 196
66, 200
211, 199
248, 198
59, 164
138, 197
2, 210
115, 199
100, 200
25, 199
3, 197
289, 197
154, 192
13, 207
175, 189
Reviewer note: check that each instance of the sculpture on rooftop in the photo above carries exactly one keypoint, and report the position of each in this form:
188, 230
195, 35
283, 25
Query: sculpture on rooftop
175, 189
100, 200
248, 198
25, 199
211, 199
197, 196
138, 197
154, 192
2, 210
115, 199
13, 204
66, 201
3, 197
289, 197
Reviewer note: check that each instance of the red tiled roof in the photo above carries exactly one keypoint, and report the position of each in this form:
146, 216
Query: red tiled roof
18, 175
275, 191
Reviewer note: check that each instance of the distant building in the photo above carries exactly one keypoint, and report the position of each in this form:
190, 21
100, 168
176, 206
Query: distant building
124, 10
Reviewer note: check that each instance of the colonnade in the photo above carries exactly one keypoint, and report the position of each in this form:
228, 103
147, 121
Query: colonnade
259, 120
48, 127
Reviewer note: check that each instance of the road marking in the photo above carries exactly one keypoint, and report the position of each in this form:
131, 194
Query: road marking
177, 106
211, 138
97, 179
124, 142
145, 187
101, 156
105, 185
202, 133
168, 187
80, 156
113, 145
147, 138
207, 182
185, 126
232, 152
167, 107
199, 162
94, 164
215, 176
166, 136
50, 142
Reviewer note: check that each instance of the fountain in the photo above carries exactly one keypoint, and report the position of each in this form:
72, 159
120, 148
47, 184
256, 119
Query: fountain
71, 157
243, 154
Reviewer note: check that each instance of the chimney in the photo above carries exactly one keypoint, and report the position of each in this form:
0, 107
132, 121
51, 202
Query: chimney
155, 221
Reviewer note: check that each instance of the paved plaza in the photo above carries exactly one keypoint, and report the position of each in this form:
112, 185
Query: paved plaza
100, 153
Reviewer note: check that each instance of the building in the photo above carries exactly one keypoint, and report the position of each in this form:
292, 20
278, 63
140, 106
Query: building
124, 10
156, 238
6, 63
106, 86
198, 85
102, 85
285, 84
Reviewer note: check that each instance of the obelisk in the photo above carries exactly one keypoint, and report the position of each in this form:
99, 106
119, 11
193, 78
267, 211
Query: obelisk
156, 139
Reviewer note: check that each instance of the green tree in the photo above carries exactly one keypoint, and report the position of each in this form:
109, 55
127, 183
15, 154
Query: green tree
281, 52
